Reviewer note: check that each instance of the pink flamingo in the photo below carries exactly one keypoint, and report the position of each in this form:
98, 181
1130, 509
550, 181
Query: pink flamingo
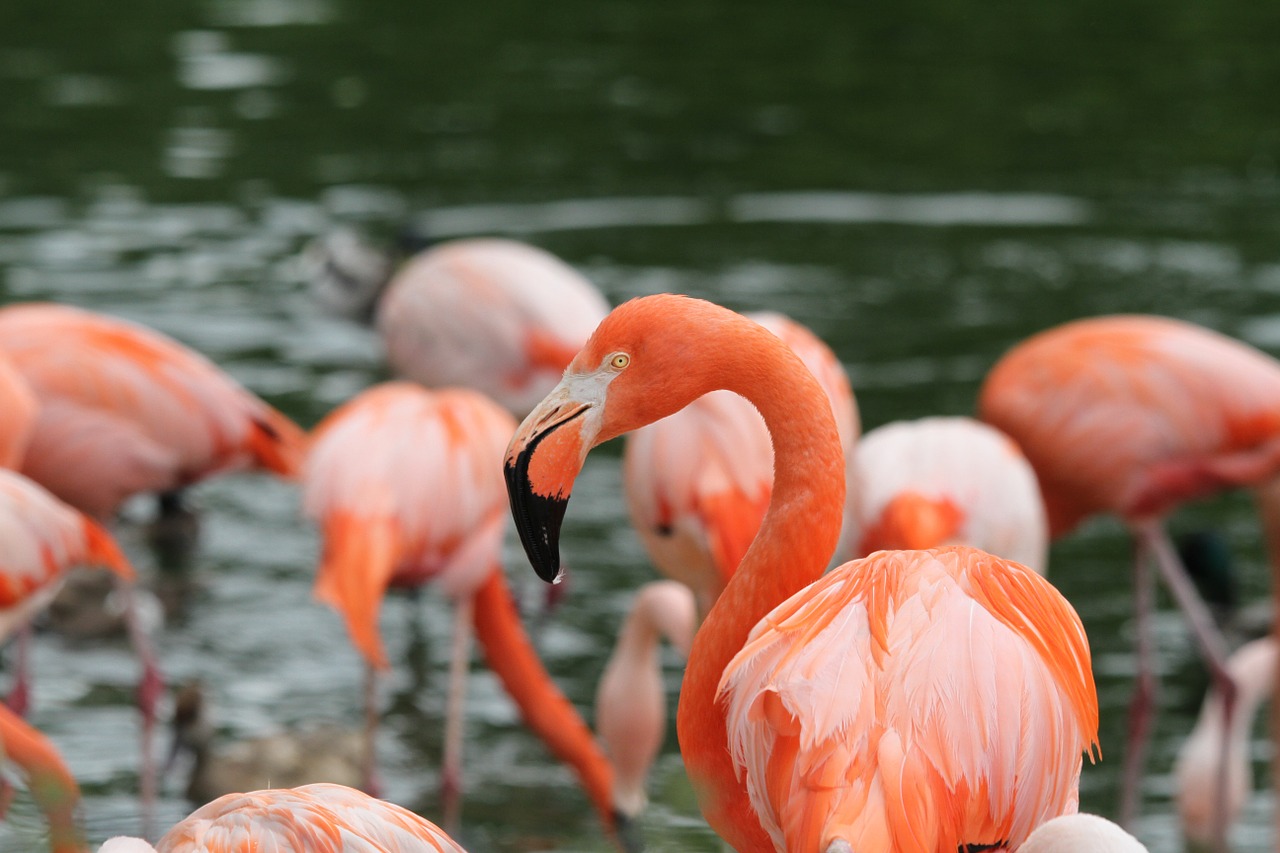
1133, 416
939, 481
320, 818
407, 488
913, 700
124, 409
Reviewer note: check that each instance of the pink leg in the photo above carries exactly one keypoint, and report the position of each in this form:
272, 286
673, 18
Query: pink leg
149, 690
370, 781
19, 699
1213, 648
1145, 690
459, 668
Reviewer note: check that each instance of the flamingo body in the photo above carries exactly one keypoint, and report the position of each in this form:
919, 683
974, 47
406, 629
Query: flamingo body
495, 315
320, 818
125, 409
939, 481
18, 421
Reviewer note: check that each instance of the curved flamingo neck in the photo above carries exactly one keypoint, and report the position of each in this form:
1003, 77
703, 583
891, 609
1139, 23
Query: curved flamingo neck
796, 540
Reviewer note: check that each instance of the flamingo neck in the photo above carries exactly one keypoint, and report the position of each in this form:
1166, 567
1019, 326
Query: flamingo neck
796, 540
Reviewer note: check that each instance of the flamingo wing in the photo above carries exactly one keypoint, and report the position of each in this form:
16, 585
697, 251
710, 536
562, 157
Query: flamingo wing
913, 701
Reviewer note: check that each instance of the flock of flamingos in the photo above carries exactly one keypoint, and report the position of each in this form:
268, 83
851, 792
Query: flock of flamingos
932, 694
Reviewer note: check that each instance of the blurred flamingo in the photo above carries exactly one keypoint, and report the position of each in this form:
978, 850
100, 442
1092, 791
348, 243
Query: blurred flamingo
43, 538
1196, 772
1134, 415
913, 700
17, 423
698, 482
495, 315
318, 818
407, 487
51, 784
124, 409
1077, 833
940, 481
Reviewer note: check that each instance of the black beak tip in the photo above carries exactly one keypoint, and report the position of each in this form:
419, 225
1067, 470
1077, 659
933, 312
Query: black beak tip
537, 518
627, 828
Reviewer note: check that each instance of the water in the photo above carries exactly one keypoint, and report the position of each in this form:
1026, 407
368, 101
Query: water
922, 186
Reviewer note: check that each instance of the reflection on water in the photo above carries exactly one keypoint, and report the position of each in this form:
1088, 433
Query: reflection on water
921, 186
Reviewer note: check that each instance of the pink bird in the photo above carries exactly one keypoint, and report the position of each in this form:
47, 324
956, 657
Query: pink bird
51, 784
698, 482
19, 419
941, 481
910, 701
406, 484
1133, 416
498, 316
43, 538
124, 409
320, 818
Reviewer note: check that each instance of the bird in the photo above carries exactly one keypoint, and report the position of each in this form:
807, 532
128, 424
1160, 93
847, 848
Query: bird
19, 406
319, 818
406, 485
631, 700
287, 759
697, 482
1195, 772
48, 779
837, 712
124, 409
43, 538
497, 315
945, 480
1081, 833
1133, 415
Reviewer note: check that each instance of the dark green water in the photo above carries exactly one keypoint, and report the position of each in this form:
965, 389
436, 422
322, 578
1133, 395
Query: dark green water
922, 184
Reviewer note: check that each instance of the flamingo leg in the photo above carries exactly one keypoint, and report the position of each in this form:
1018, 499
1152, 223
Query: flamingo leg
369, 780
1213, 648
149, 689
1145, 690
459, 667
19, 698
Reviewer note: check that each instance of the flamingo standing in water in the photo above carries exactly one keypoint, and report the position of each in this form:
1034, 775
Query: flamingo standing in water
913, 700
940, 481
495, 315
17, 422
1134, 415
320, 818
51, 784
124, 409
407, 488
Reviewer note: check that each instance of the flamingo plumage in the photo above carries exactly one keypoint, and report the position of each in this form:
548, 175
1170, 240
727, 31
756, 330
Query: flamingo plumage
124, 409
940, 481
406, 485
656, 354
49, 780
698, 481
319, 818
19, 406
1078, 833
1133, 416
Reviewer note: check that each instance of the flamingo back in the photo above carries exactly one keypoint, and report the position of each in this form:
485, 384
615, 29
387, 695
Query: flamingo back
496, 315
1134, 414
941, 481
19, 406
320, 818
407, 486
913, 701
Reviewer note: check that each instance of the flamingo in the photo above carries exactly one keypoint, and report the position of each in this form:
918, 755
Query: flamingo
19, 407
51, 784
1134, 415
946, 480
407, 488
43, 538
124, 409
320, 818
1076, 833
1253, 668
496, 315
912, 700
698, 482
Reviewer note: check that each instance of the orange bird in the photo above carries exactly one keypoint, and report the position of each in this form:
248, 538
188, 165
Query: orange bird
51, 784
495, 315
43, 538
910, 701
940, 481
18, 421
698, 482
320, 818
407, 487
124, 409
1133, 416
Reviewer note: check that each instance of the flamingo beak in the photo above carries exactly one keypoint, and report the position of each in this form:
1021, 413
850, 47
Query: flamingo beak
543, 459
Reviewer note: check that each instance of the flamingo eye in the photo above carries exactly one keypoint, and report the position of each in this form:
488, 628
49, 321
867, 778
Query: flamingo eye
620, 361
